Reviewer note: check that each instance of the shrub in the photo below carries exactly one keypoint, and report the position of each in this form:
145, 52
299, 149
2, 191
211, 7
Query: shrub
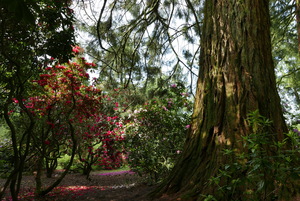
265, 170
156, 133
6, 157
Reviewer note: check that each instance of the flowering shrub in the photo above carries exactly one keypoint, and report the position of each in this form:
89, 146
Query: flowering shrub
156, 133
99, 143
69, 111
63, 101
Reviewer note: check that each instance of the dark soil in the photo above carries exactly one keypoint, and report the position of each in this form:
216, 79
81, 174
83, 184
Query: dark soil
102, 187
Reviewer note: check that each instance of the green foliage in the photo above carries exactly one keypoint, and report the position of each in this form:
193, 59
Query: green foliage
6, 157
28, 39
286, 56
4, 131
156, 134
142, 43
64, 161
266, 169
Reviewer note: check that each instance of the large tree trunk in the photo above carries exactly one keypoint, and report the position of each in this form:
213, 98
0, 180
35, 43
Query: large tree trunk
236, 77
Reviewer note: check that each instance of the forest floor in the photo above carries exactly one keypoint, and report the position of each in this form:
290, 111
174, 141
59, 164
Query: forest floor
103, 186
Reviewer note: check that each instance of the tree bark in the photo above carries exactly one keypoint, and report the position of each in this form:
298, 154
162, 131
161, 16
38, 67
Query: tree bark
236, 77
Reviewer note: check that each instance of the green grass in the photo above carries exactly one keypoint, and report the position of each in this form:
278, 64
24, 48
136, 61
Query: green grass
116, 170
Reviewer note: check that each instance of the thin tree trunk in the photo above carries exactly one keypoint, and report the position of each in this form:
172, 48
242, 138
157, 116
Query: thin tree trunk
57, 182
38, 176
13, 176
51, 165
236, 77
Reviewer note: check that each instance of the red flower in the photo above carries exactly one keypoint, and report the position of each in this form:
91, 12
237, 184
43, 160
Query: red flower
90, 64
60, 67
15, 100
29, 105
76, 49
49, 107
51, 124
42, 82
45, 75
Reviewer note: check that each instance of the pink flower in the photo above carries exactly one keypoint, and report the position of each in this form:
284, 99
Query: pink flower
15, 100
188, 126
173, 85
76, 49
185, 94
29, 105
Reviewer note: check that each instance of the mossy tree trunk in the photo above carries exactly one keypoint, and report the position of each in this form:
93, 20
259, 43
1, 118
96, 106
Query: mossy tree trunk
236, 77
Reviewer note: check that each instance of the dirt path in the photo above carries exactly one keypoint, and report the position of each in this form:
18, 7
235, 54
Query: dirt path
121, 186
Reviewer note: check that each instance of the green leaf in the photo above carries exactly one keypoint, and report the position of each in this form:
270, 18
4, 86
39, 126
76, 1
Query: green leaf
288, 159
260, 185
21, 9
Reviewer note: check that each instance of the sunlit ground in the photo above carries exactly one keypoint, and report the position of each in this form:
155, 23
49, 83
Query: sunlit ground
72, 192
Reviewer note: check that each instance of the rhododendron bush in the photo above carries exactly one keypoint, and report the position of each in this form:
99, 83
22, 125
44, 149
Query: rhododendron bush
100, 143
72, 117
156, 132
30, 30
